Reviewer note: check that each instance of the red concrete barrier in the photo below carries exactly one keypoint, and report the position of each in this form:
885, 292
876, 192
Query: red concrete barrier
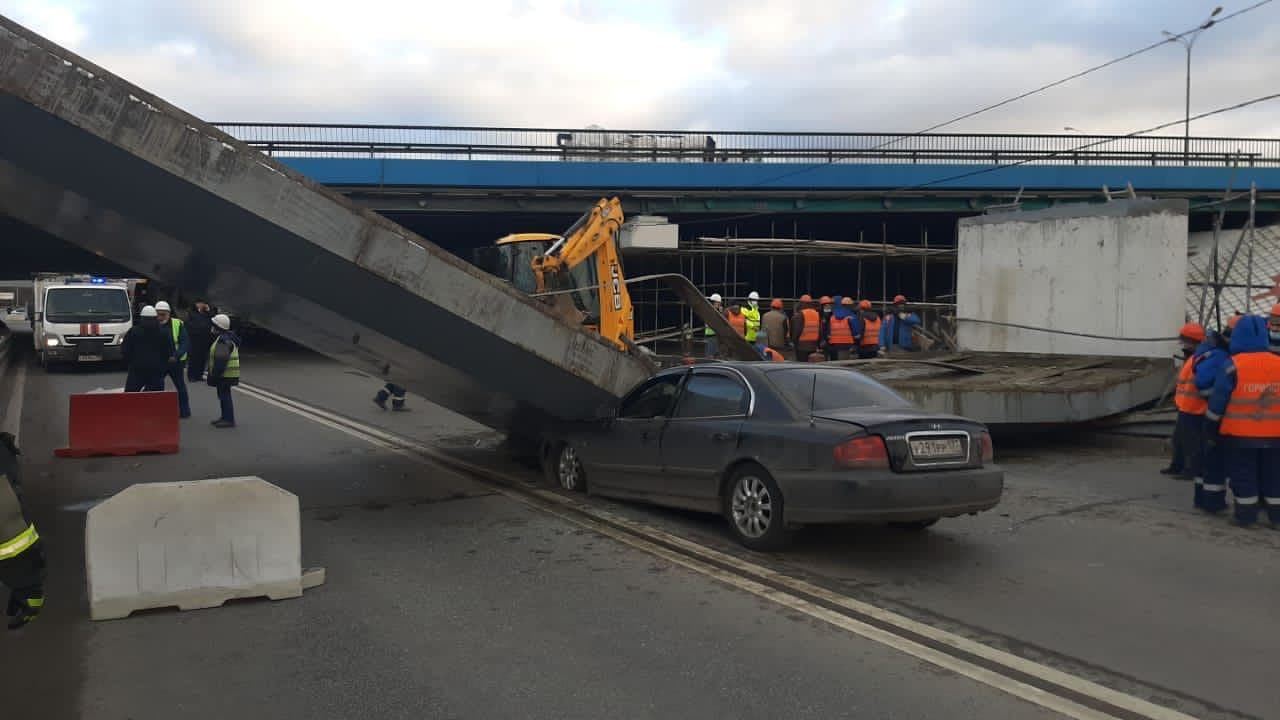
122, 424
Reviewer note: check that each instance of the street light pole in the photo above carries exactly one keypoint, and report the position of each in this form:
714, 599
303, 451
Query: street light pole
1188, 41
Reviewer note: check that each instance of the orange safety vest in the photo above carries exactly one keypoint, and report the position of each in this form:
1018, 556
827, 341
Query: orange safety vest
773, 355
812, 325
870, 332
739, 323
838, 333
1254, 408
1188, 398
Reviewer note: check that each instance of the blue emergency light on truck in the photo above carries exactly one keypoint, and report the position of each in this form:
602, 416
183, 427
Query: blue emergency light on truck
80, 318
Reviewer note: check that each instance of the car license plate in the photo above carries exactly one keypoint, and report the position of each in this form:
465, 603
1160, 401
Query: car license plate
90, 358
934, 448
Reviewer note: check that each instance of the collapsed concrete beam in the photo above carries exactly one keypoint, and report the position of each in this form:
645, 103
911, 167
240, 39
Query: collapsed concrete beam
101, 163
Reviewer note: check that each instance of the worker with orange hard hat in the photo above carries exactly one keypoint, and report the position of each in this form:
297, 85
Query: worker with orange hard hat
896, 329
826, 306
869, 331
776, 326
806, 328
1188, 435
841, 329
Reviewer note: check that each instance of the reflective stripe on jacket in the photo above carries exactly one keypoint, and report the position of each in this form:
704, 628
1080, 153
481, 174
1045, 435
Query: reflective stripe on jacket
232, 369
1188, 399
1253, 411
16, 534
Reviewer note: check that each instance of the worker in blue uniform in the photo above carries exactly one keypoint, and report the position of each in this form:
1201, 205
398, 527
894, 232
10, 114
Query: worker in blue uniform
1244, 415
1211, 484
1188, 434
896, 331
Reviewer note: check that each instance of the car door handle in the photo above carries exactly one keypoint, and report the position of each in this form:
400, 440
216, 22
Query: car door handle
722, 436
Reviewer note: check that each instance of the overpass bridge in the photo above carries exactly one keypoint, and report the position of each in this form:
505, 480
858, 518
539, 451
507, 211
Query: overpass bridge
405, 168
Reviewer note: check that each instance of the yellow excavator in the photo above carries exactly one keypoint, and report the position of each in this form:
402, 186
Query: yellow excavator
580, 275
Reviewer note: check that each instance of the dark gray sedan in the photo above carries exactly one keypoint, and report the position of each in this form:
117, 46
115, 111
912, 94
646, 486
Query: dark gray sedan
772, 446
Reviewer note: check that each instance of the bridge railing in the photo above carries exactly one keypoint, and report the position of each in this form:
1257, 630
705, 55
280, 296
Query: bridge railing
599, 145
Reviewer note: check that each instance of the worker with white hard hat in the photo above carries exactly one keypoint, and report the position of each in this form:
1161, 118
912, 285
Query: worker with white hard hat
752, 313
146, 353
224, 368
179, 347
709, 336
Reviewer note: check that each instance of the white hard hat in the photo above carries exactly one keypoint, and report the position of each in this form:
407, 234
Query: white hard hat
162, 305
715, 297
148, 311
754, 295
222, 321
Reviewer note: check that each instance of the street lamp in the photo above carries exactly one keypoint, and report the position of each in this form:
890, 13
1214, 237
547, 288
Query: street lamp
1188, 40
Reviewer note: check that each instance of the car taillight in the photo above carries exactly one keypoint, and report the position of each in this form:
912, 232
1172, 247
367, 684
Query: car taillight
988, 450
862, 452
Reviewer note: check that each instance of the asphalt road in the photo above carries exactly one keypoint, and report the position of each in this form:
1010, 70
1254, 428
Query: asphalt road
445, 599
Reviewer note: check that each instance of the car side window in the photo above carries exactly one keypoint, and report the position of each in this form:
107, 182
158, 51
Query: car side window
713, 395
651, 400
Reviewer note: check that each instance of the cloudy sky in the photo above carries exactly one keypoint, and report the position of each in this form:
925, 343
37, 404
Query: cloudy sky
846, 65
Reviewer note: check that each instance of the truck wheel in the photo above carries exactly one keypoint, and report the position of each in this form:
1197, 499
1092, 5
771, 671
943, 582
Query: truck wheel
755, 509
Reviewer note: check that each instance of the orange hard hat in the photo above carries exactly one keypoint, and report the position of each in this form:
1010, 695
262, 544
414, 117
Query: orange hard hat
1231, 323
1192, 331
864, 305
825, 300
1275, 310
776, 304
846, 300
806, 298
899, 299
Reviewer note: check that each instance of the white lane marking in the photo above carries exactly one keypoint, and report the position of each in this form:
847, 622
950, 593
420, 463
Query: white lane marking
12, 421
1033, 694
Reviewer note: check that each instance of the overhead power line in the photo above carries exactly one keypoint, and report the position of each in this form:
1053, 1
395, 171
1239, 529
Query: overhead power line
1035, 91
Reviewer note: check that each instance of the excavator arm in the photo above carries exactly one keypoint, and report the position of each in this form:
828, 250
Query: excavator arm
587, 261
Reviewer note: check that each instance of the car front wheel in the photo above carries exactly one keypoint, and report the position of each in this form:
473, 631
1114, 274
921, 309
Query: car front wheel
754, 508
569, 472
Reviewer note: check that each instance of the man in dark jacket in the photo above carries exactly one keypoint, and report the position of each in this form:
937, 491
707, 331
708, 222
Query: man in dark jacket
146, 351
224, 368
200, 333
22, 564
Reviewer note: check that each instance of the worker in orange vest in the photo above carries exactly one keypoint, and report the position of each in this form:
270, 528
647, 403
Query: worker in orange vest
737, 320
1244, 416
869, 332
806, 328
841, 330
826, 306
1188, 432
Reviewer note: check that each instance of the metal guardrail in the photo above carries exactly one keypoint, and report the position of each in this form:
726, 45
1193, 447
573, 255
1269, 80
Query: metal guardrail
599, 145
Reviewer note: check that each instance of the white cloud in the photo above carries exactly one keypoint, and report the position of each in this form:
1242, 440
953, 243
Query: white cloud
888, 65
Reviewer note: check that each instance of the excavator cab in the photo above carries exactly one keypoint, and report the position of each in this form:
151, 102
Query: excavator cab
571, 272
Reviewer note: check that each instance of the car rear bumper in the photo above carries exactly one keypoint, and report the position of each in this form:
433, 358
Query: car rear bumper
886, 496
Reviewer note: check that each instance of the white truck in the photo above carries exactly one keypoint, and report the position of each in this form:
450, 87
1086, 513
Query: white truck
80, 318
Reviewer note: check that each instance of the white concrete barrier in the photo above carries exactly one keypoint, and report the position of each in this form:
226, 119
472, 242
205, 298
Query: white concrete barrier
193, 545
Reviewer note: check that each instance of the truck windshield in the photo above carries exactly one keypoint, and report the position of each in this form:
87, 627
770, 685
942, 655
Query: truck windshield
87, 304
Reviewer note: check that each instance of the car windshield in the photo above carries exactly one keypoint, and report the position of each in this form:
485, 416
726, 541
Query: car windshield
86, 304
832, 389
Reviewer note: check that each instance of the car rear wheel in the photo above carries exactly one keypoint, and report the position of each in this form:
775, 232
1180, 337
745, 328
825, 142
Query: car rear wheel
569, 473
915, 525
753, 506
